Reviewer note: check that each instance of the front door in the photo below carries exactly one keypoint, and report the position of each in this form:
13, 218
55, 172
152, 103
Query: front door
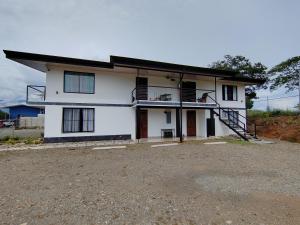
143, 124
191, 123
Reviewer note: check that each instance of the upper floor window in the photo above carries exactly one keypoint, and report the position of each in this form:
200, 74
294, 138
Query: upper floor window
77, 82
229, 92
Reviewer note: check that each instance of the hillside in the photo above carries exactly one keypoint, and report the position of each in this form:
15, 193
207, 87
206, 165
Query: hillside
281, 127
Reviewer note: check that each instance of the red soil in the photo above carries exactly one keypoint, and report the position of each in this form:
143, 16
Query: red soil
281, 127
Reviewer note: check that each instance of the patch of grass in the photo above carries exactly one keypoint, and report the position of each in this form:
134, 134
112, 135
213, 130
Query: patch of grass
31, 141
10, 140
4, 138
238, 141
272, 113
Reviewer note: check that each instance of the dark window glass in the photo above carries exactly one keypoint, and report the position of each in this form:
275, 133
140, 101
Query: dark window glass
169, 117
78, 120
233, 117
75, 82
229, 92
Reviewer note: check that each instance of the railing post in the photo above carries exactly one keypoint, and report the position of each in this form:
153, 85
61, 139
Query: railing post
255, 130
27, 94
44, 93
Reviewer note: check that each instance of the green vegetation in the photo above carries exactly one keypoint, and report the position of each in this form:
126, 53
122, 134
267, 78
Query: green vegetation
238, 141
245, 67
10, 140
286, 74
3, 115
272, 113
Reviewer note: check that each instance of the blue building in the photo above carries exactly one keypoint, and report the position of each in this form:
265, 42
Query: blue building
23, 110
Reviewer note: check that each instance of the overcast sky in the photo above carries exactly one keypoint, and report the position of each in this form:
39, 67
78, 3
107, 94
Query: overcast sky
194, 32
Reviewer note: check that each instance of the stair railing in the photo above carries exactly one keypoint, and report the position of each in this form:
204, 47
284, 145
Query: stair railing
233, 121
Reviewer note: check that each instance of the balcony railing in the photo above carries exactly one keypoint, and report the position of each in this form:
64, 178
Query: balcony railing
171, 94
35, 94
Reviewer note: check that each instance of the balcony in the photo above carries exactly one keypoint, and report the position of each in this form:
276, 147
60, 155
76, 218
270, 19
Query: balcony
36, 94
159, 96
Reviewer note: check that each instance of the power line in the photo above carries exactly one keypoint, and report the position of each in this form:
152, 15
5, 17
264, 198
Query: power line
270, 99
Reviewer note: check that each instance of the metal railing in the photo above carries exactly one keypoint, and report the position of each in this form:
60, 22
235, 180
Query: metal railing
170, 94
233, 119
35, 93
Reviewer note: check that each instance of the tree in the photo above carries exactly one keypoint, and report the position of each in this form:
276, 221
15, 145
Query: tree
3, 115
245, 68
286, 74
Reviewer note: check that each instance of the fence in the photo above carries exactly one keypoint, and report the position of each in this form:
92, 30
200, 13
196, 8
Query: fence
31, 122
24, 122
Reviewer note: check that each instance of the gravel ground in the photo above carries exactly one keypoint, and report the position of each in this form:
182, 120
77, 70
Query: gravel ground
190, 183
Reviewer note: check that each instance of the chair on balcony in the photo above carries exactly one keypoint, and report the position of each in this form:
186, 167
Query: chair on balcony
203, 98
165, 97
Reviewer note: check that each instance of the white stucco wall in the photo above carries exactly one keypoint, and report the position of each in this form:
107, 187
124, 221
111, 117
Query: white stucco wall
116, 88
157, 121
108, 121
109, 87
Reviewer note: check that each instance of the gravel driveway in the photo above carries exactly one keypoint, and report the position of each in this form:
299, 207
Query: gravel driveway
190, 183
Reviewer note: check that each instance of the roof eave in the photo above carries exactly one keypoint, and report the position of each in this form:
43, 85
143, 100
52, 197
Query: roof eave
39, 61
250, 81
168, 67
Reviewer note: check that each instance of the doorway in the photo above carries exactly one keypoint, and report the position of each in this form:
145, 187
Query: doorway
188, 91
191, 123
143, 123
141, 88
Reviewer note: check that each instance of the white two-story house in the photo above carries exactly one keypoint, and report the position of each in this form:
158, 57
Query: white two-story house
129, 98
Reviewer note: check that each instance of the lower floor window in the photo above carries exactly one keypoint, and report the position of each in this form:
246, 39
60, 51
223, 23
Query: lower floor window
78, 120
168, 117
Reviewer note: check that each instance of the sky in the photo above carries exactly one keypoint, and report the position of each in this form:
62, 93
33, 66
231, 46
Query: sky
193, 32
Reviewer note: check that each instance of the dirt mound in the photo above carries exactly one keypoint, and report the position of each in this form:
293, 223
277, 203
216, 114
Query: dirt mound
282, 127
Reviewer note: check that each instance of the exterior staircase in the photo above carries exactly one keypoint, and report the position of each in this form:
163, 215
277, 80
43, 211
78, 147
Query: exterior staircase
231, 119
235, 125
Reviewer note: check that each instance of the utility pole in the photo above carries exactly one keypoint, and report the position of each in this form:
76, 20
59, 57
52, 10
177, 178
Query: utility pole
180, 89
299, 90
268, 106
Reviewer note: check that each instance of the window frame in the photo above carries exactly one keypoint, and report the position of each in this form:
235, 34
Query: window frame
81, 120
168, 113
235, 87
235, 116
79, 74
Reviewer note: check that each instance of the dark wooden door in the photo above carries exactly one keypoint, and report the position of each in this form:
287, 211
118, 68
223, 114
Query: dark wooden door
143, 124
141, 88
210, 127
191, 123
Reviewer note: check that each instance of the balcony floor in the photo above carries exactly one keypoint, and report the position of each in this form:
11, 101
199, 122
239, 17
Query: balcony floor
174, 104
